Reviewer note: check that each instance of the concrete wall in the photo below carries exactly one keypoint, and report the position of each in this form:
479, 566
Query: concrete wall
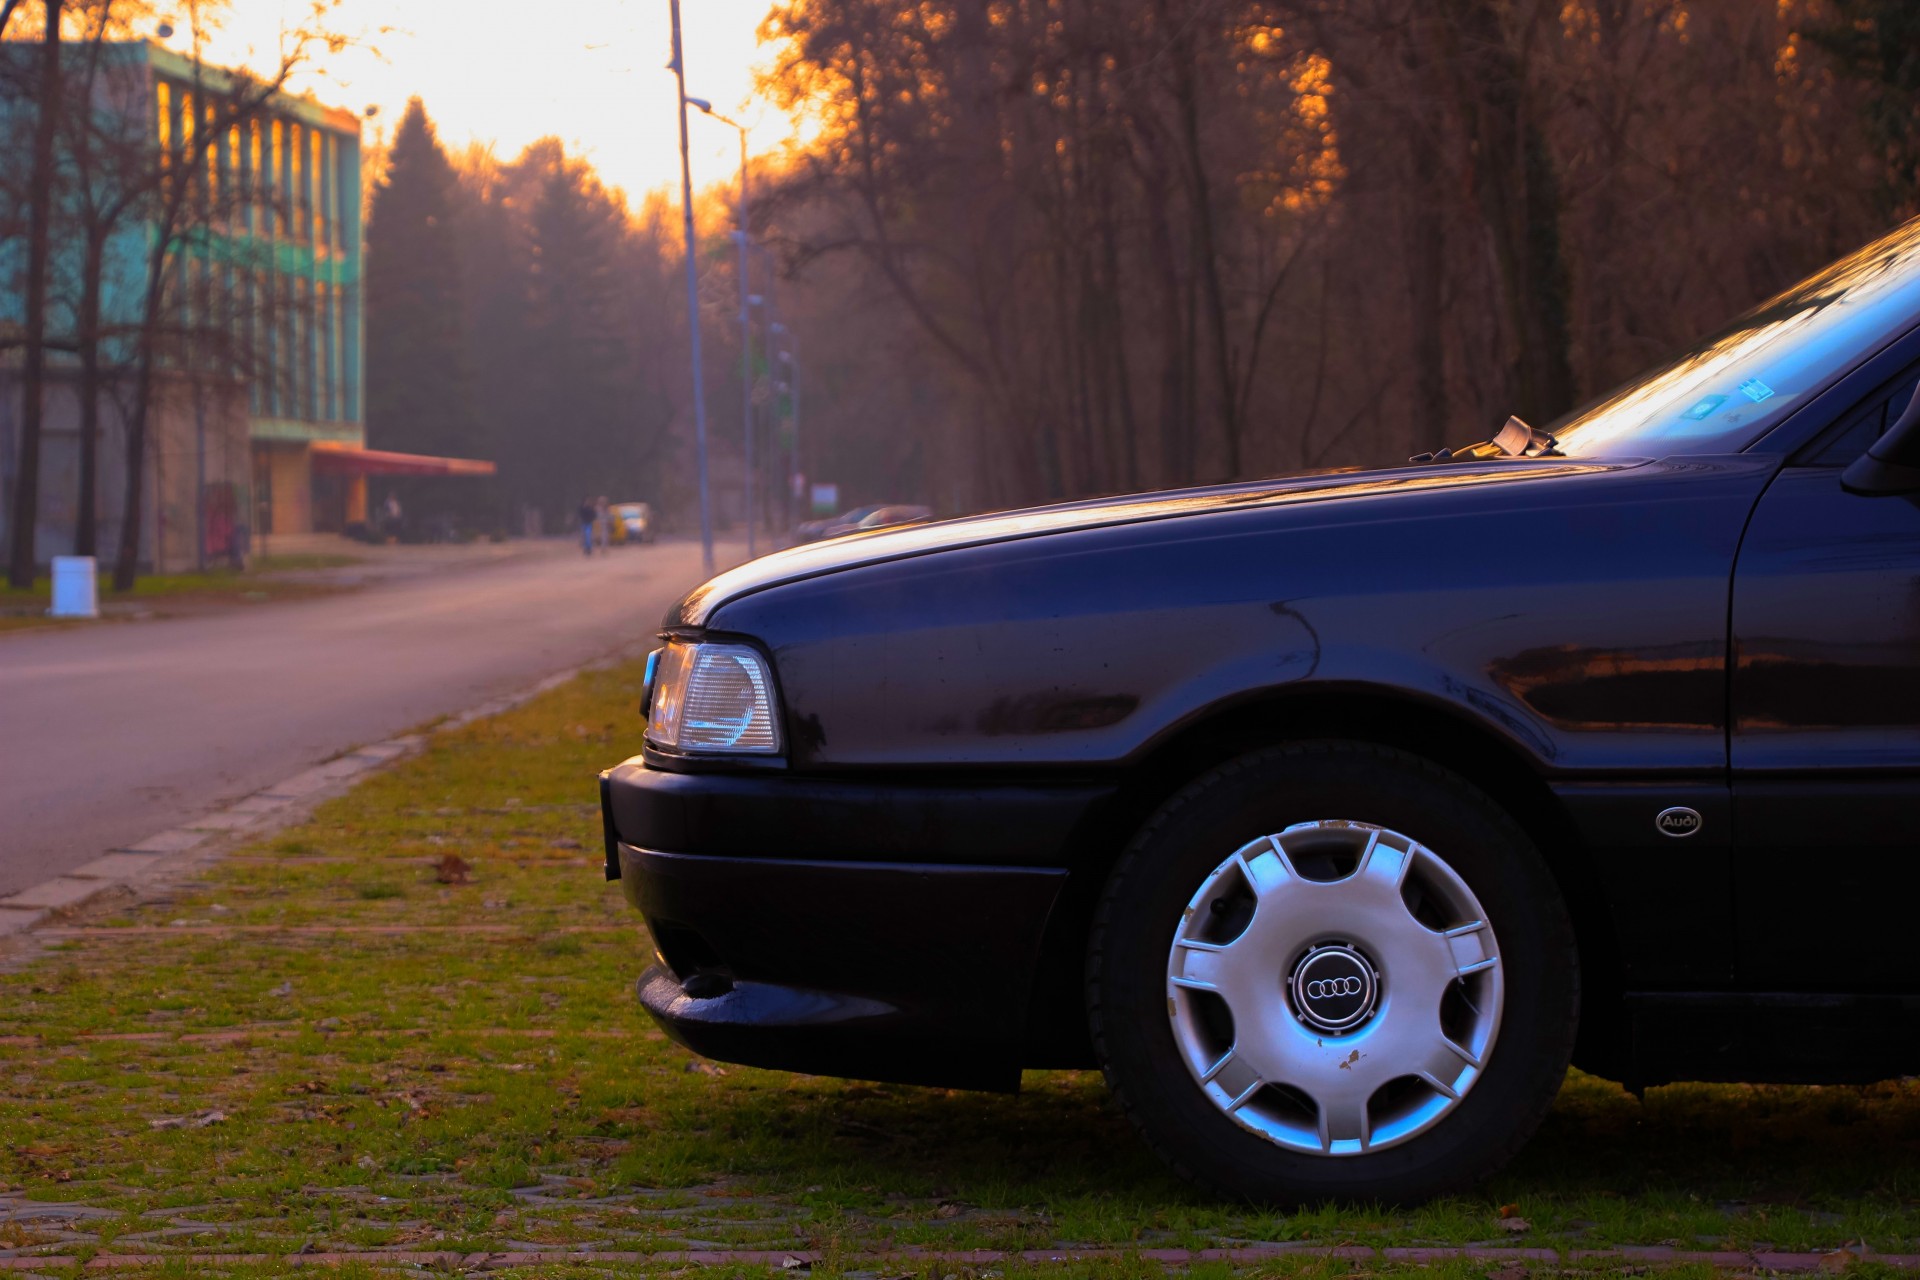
197, 476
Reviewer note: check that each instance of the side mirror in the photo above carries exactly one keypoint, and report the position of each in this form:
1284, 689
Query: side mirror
1892, 464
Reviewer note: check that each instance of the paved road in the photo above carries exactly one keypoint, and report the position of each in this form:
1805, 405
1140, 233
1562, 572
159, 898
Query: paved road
111, 733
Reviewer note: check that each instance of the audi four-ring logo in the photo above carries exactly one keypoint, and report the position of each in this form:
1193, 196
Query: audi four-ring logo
1320, 988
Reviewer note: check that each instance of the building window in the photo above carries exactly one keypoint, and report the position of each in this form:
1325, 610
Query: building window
255, 223
274, 185
317, 185
212, 142
296, 186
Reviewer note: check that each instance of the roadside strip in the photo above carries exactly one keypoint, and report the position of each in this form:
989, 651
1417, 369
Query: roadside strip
144, 863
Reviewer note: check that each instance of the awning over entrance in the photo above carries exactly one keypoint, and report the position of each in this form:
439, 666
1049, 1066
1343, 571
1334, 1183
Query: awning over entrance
337, 458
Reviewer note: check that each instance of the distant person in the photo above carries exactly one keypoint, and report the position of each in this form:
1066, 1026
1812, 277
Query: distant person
390, 516
603, 522
587, 516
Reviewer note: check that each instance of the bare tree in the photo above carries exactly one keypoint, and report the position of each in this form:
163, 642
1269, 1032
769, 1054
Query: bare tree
40, 198
184, 212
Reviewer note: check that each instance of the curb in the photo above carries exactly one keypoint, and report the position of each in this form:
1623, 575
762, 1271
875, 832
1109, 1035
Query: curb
144, 863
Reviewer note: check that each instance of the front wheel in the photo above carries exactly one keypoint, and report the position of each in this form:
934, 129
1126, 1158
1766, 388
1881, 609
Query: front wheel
1333, 971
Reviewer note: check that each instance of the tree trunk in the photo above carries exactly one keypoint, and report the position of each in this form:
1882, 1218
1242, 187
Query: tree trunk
26, 494
1518, 193
86, 532
1205, 237
1426, 270
126, 565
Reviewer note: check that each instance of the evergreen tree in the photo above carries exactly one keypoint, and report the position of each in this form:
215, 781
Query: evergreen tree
419, 379
578, 341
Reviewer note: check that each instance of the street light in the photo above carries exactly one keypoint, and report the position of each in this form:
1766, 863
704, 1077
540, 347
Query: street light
791, 359
746, 314
679, 68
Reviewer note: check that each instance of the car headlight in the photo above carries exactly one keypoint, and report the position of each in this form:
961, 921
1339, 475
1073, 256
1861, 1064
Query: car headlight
713, 698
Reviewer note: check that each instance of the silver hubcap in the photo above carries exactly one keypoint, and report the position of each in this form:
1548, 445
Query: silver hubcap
1335, 988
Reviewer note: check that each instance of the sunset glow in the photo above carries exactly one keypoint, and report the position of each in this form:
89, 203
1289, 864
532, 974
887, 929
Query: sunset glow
590, 72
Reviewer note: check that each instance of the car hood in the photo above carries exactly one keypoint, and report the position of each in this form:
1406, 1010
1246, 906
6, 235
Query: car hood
816, 558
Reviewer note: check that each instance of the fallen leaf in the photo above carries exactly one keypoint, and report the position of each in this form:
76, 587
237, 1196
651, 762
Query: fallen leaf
1509, 1210
791, 1263
1515, 1225
625, 1117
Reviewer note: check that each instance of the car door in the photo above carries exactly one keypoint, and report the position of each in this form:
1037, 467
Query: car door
1825, 739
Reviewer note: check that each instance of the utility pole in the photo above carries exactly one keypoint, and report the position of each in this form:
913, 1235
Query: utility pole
745, 244
693, 296
746, 388
796, 477
33, 376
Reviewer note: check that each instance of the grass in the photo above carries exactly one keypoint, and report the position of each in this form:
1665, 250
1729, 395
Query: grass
462, 1066
22, 608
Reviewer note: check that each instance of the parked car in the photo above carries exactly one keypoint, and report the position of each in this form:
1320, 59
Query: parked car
1331, 815
884, 518
632, 522
833, 526
862, 520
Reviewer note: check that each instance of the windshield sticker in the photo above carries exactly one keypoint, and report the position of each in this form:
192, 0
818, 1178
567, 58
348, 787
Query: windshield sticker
1704, 407
1756, 390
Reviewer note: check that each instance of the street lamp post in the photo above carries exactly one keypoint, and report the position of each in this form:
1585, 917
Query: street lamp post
791, 359
745, 245
693, 298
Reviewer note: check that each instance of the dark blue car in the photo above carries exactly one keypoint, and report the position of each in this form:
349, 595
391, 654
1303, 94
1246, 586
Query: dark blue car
1333, 815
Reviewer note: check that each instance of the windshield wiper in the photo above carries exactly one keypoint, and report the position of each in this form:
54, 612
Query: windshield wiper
1514, 440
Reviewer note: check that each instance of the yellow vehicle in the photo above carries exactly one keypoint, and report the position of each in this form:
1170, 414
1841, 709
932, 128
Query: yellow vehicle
631, 522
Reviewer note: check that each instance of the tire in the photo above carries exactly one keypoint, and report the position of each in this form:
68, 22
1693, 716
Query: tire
1266, 888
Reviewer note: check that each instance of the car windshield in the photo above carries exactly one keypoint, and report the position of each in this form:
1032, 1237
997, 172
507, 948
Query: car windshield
1730, 390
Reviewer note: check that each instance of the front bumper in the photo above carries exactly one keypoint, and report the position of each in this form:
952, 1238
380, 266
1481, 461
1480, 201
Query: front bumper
867, 930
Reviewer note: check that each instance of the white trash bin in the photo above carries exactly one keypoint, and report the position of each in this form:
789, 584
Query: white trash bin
75, 588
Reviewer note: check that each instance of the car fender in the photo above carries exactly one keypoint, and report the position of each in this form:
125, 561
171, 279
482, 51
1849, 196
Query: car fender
1582, 619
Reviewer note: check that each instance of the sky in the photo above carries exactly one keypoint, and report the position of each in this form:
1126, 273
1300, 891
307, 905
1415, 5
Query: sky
591, 72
